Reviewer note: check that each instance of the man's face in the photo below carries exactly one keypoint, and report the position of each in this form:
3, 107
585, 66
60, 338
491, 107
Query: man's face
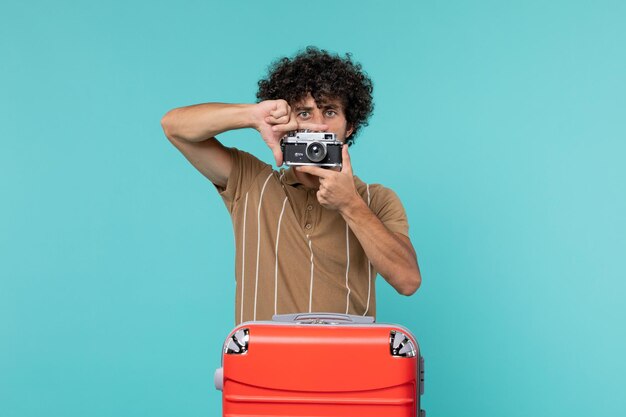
330, 113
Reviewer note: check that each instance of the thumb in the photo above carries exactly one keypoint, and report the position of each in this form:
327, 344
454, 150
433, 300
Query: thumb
346, 163
278, 154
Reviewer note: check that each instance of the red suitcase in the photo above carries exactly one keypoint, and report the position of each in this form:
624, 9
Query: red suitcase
322, 365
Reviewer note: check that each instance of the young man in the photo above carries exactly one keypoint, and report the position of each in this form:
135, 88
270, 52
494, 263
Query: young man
307, 239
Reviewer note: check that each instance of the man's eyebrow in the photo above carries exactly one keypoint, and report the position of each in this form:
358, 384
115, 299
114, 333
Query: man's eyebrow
323, 106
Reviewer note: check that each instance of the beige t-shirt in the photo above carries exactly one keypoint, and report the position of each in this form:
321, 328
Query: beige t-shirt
292, 254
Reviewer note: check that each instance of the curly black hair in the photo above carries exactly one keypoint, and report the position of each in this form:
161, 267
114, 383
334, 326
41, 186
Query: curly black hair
325, 76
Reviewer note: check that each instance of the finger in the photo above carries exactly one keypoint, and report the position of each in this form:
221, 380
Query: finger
278, 154
286, 127
313, 170
277, 120
280, 111
313, 126
321, 198
346, 164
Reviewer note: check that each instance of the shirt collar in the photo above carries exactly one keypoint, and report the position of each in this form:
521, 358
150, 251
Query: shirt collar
290, 177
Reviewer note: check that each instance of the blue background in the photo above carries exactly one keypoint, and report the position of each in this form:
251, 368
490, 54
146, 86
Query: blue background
501, 125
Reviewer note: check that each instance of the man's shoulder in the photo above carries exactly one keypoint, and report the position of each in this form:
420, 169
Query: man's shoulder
247, 157
247, 170
368, 191
385, 204
249, 165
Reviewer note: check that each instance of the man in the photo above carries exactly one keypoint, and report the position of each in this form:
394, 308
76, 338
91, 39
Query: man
307, 239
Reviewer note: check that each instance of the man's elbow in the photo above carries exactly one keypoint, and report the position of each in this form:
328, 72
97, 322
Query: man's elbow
410, 285
166, 124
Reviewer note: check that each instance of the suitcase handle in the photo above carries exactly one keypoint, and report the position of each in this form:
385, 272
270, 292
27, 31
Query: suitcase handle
323, 318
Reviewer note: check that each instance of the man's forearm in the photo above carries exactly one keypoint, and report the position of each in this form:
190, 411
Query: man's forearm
394, 259
190, 128
203, 121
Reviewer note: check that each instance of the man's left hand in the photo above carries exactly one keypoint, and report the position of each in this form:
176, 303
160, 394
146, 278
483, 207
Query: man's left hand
337, 190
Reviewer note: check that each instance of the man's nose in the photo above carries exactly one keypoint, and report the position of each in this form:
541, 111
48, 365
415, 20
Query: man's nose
317, 118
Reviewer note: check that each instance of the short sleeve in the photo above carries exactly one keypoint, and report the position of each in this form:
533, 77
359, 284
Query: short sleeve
245, 168
388, 208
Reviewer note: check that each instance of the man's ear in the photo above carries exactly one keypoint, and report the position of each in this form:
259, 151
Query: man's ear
349, 131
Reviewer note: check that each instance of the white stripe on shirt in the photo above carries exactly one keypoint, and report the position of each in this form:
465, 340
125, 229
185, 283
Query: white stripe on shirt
243, 256
276, 253
258, 243
311, 284
369, 264
347, 267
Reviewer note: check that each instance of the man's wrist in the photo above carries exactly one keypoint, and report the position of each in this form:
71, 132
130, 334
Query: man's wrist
352, 208
253, 117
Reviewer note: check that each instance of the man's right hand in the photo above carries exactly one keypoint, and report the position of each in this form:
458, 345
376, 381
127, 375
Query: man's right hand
273, 119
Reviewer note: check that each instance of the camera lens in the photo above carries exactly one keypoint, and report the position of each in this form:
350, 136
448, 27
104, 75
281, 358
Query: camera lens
316, 151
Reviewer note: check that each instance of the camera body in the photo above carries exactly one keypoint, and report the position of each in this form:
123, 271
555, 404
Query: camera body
311, 148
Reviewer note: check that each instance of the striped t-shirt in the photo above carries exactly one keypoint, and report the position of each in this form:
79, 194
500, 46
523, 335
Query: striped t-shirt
292, 254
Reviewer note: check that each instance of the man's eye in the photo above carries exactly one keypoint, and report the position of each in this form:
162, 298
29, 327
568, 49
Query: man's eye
331, 113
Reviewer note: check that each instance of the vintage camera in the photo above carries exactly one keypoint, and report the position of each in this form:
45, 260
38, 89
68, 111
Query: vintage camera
311, 148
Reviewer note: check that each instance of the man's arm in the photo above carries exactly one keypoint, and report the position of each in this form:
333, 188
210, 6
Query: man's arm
193, 129
392, 254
